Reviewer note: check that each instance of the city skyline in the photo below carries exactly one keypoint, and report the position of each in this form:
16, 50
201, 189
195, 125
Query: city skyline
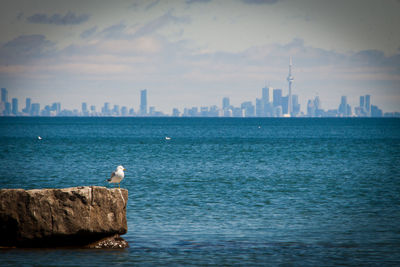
195, 52
271, 104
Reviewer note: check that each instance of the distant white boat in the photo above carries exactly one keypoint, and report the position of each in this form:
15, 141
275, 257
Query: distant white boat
167, 138
40, 138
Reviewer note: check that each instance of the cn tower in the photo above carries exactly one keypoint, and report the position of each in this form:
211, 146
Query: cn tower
290, 79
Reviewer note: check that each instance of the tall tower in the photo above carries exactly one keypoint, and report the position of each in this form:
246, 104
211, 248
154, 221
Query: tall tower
143, 102
225, 103
290, 79
4, 95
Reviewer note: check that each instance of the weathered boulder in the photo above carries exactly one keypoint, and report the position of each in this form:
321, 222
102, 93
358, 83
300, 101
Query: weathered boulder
76, 216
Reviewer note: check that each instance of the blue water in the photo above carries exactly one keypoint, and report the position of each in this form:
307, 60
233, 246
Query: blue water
221, 191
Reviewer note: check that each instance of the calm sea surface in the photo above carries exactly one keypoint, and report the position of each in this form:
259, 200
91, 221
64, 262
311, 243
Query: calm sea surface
221, 191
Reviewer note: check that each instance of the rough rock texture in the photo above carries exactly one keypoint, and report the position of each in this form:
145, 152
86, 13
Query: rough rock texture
109, 242
75, 216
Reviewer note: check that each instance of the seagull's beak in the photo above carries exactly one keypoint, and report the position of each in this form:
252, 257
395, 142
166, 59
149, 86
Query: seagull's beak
124, 169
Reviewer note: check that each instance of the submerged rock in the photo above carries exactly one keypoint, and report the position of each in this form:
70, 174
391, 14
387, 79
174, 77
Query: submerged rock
76, 216
109, 242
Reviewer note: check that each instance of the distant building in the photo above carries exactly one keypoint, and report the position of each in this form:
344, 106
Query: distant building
124, 111
27, 108
238, 112
259, 108
277, 97
193, 112
14, 108
265, 94
84, 109
56, 108
4, 95
344, 109
214, 111
131, 112
152, 111
204, 111
115, 110
7, 109
362, 106
143, 102
266, 108
248, 108
285, 104
368, 105
225, 103
106, 109
296, 105
175, 112
35, 109
310, 108
278, 111
376, 112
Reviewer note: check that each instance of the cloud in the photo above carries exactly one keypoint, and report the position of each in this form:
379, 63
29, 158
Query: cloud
57, 19
25, 47
160, 22
197, 1
259, 1
115, 31
152, 4
89, 32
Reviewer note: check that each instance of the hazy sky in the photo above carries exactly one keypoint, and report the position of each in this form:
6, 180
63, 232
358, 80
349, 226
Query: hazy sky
194, 52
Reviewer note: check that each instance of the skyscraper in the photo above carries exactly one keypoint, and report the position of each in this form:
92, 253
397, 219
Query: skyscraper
225, 103
175, 112
7, 110
14, 108
124, 111
368, 105
259, 107
290, 79
84, 109
27, 108
362, 102
4, 95
296, 105
248, 109
343, 109
265, 94
143, 102
277, 96
266, 108
105, 110
115, 110
35, 109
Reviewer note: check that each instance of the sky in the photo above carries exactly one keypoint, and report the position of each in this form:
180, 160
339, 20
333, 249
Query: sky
195, 52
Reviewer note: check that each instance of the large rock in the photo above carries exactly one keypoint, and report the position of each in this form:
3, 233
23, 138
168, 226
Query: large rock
77, 216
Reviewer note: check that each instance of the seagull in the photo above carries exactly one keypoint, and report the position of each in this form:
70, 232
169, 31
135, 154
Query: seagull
167, 138
117, 175
40, 138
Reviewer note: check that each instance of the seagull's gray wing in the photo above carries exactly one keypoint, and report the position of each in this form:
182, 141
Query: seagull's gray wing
112, 174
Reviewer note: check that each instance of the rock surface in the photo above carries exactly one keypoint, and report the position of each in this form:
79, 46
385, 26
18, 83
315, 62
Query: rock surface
76, 216
109, 242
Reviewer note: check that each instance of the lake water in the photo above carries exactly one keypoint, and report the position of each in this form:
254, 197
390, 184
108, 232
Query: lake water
221, 191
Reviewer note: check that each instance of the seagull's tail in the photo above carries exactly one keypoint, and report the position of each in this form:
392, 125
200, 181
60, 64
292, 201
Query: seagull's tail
108, 180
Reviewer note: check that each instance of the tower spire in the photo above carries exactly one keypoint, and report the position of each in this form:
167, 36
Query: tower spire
290, 79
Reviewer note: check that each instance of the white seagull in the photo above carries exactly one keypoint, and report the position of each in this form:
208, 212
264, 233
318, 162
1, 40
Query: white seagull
117, 176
